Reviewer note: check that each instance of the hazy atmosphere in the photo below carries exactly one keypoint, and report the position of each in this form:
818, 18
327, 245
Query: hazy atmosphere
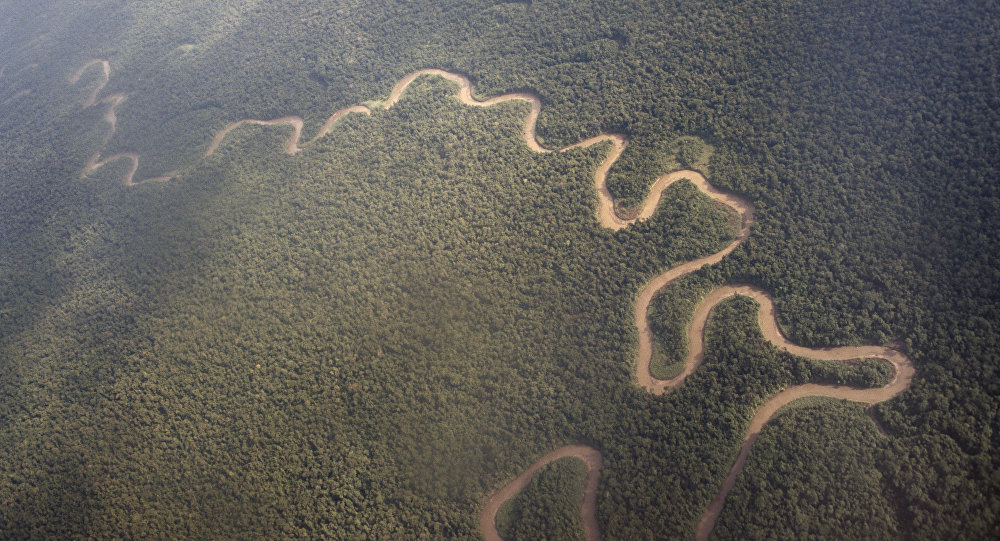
545, 270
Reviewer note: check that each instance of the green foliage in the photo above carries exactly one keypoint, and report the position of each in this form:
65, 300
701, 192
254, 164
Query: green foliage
813, 474
430, 303
670, 315
338, 343
688, 443
549, 507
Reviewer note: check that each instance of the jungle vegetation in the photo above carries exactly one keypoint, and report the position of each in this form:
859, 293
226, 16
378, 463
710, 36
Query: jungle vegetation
366, 339
549, 507
818, 462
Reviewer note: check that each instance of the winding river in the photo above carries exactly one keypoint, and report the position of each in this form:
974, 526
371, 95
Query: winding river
112, 101
903, 367
588, 509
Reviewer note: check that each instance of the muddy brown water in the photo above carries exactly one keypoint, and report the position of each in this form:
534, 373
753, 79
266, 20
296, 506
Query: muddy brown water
588, 507
903, 367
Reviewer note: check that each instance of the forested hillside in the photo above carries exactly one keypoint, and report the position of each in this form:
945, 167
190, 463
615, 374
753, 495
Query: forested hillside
367, 338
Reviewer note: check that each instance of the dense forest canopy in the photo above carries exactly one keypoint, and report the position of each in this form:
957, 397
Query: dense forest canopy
366, 339
549, 507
